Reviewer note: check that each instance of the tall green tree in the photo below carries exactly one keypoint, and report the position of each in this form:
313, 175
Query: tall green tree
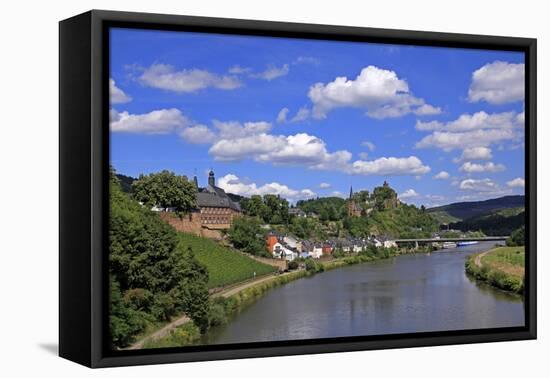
247, 235
165, 189
152, 279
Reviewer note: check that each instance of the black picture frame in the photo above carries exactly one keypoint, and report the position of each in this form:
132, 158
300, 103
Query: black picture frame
83, 181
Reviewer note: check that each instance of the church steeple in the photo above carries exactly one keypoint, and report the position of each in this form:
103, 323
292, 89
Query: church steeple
211, 178
350, 192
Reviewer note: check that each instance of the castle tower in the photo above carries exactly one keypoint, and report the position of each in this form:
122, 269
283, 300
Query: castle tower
211, 179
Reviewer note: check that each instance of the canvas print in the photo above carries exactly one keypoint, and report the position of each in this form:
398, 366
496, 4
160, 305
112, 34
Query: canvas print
270, 189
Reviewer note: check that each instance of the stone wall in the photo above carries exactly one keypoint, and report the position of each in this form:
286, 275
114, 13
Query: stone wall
191, 224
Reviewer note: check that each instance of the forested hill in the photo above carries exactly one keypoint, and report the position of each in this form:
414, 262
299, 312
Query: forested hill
458, 211
125, 182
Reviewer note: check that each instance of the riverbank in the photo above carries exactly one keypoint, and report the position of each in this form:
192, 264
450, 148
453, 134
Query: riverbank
502, 267
227, 303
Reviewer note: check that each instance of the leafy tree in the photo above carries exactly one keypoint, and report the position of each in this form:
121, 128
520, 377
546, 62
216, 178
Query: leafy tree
165, 189
151, 278
270, 208
247, 235
517, 237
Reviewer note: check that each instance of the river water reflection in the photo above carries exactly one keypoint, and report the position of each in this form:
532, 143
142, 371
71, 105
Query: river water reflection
413, 293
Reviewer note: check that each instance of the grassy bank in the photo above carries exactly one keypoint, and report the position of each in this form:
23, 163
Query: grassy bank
225, 267
502, 267
221, 309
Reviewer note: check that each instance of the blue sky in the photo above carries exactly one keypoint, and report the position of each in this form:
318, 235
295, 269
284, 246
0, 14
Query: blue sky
304, 118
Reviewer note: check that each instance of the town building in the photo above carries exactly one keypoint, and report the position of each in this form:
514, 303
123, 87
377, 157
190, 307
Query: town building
354, 210
216, 209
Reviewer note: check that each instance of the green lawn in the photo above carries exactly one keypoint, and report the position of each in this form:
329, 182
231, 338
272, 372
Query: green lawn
510, 260
225, 266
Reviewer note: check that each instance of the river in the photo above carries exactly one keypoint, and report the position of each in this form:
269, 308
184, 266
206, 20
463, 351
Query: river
410, 293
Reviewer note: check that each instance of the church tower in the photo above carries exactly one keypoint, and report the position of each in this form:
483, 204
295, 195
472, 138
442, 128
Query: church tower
211, 179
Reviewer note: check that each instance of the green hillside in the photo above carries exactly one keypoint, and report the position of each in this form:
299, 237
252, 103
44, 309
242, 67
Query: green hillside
500, 222
459, 211
224, 265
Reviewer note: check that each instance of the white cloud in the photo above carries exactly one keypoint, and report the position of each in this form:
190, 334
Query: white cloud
272, 72
324, 185
469, 167
427, 109
283, 113
234, 129
363, 155
238, 70
476, 130
302, 114
498, 83
475, 153
337, 193
443, 175
162, 121
390, 166
483, 185
369, 145
380, 92
408, 194
233, 184
299, 149
198, 134
164, 76
117, 95
476, 121
516, 183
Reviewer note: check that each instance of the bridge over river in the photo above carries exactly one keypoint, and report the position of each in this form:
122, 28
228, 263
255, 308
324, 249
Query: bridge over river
443, 240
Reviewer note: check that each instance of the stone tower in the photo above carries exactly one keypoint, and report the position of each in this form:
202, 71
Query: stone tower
211, 179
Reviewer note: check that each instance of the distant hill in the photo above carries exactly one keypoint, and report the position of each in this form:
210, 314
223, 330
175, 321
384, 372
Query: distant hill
460, 211
126, 182
497, 223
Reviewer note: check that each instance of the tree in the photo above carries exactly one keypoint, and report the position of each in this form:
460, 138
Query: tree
247, 235
165, 189
517, 238
152, 279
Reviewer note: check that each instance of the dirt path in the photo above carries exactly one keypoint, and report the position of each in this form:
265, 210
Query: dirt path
236, 289
477, 260
164, 331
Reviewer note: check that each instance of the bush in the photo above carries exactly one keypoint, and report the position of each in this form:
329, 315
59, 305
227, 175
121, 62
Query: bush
292, 265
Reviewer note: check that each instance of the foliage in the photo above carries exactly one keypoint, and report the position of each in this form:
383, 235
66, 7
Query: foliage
247, 235
404, 221
501, 268
328, 208
270, 208
500, 222
186, 334
307, 228
224, 265
125, 182
151, 278
380, 195
466, 210
517, 237
293, 265
165, 189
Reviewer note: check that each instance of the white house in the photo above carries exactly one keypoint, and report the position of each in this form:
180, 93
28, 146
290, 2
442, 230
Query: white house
317, 251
